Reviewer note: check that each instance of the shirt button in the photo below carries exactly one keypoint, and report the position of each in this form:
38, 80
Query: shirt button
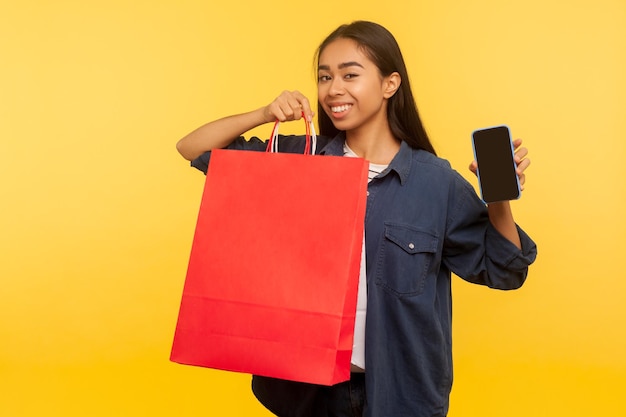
368, 193
411, 246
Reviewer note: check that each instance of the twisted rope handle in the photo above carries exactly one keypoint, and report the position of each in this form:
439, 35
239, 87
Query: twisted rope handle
311, 138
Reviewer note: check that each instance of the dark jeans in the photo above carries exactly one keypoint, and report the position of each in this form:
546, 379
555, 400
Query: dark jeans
343, 400
295, 399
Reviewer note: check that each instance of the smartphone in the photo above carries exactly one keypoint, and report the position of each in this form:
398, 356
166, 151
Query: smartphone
494, 153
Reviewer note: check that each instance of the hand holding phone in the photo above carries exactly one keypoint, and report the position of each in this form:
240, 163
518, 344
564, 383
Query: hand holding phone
495, 156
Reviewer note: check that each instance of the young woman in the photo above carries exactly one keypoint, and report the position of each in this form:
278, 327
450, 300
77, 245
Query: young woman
423, 222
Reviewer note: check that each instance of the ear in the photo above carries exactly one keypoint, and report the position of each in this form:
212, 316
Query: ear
391, 83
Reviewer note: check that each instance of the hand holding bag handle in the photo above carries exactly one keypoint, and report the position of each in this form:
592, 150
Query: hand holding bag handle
311, 138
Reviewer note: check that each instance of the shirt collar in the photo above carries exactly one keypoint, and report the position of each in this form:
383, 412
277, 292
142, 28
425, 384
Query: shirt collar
401, 163
335, 146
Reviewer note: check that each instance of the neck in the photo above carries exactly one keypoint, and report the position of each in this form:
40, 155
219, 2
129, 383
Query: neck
378, 146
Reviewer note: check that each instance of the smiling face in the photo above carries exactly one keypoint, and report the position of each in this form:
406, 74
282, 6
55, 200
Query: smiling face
351, 89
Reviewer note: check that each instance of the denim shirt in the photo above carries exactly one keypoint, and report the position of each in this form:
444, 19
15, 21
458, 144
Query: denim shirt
423, 222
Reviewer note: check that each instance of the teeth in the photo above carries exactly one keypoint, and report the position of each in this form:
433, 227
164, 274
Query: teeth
339, 109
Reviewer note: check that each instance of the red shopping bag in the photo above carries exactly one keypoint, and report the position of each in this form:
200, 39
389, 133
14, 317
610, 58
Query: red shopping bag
273, 272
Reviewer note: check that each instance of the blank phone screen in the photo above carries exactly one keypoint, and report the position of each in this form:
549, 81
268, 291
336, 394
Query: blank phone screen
496, 166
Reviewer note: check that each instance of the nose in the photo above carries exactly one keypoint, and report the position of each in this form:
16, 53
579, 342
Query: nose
336, 87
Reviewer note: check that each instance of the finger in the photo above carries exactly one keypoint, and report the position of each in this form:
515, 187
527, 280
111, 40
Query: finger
291, 105
473, 166
305, 107
282, 106
521, 167
522, 181
279, 108
301, 106
289, 110
517, 143
285, 112
520, 172
520, 154
275, 112
293, 109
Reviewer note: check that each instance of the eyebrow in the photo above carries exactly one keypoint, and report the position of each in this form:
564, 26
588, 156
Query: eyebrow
341, 66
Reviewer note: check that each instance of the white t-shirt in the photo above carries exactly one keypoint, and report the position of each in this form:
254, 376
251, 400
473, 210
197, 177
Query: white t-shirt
358, 347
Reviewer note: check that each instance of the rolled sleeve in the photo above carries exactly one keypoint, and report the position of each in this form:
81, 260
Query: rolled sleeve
254, 144
505, 254
480, 254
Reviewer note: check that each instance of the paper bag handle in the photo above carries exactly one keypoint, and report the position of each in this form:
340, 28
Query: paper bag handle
311, 138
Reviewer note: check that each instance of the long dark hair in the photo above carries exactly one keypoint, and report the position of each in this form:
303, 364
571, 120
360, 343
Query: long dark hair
381, 47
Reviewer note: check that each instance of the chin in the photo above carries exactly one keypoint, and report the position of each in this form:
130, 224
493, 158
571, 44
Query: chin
342, 125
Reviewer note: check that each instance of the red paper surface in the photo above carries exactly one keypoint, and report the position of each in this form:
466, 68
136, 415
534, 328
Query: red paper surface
273, 272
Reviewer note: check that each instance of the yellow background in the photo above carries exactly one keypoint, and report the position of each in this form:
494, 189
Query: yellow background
98, 209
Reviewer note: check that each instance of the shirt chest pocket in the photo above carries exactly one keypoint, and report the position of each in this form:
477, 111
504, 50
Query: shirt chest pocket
405, 258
